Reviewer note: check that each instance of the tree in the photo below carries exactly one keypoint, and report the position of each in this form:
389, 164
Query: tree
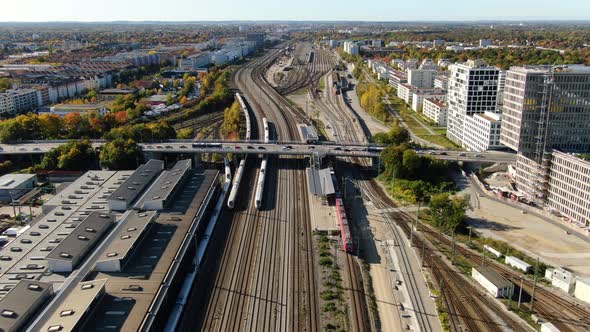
120, 154
169, 99
51, 125
5, 84
184, 133
75, 155
448, 213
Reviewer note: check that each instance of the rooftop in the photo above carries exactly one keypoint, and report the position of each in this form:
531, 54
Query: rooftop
21, 302
129, 235
320, 181
69, 315
493, 276
83, 237
570, 69
13, 181
437, 102
167, 183
137, 182
77, 107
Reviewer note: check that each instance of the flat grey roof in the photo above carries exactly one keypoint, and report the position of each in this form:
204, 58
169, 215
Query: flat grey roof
137, 182
493, 277
82, 237
165, 185
79, 302
12, 181
308, 132
78, 192
22, 301
141, 280
320, 181
130, 232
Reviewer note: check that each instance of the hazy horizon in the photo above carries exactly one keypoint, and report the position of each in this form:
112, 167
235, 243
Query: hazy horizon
83, 11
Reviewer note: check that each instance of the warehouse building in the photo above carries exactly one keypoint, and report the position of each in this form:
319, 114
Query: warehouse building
129, 236
78, 305
491, 281
66, 256
22, 303
166, 186
13, 186
122, 198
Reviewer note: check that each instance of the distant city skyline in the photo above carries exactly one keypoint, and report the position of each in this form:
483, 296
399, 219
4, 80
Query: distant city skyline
303, 10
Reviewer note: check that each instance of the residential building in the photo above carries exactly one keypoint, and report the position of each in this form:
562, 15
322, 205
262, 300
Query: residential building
16, 101
418, 96
492, 282
421, 78
333, 43
473, 88
482, 132
65, 109
546, 108
438, 42
196, 61
441, 82
377, 43
404, 92
351, 48
428, 64
435, 110
396, 78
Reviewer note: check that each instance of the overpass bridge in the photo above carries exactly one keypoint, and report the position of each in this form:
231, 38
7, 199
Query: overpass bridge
321, 149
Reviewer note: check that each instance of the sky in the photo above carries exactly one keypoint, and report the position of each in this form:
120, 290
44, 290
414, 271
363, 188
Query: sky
294, 10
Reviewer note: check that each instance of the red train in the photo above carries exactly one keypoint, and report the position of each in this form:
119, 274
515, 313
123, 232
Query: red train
344, 227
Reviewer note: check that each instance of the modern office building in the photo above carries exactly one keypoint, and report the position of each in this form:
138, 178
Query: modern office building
482, 132
473, 89
546, 108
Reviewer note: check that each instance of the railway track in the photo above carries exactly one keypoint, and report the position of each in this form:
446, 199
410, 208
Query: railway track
564, 314
264, 278
465, 309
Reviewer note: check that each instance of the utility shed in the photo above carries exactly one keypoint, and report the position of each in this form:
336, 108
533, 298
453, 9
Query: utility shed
129, 236
320, 182
76, 307
564, 280
491, 281
308, 133
66, 256
13, 186
518, 263
122, 198
21, 303
164, 188
582, 291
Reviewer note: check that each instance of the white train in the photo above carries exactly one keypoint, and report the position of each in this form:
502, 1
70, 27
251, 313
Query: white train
236, 184
247, 114
227, 170
260, 184
266, 130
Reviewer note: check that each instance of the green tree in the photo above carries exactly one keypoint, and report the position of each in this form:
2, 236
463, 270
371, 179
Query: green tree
184, 133
448, 213
75, 155
121, 154
5, 84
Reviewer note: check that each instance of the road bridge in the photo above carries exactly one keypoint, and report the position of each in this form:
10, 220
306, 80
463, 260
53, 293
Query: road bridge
260, 148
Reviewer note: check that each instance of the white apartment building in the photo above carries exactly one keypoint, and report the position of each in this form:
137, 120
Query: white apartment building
482, 132
351, 48
419, 95
15, 101
441, 82
396, 78
429, 64
473, 89
404, 92
421, 78
435, 110
194, 62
